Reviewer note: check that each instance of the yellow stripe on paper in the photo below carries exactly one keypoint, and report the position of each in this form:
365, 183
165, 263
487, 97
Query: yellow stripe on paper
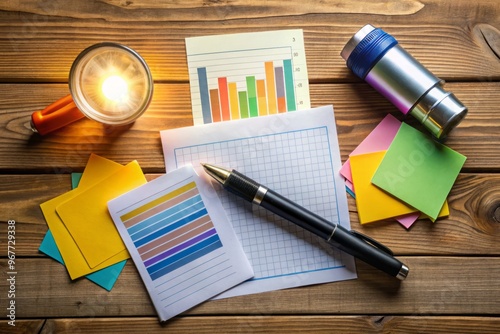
157, 201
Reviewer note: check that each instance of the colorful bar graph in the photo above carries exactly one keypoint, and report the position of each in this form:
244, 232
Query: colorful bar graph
270, 95
172, 230
245, 63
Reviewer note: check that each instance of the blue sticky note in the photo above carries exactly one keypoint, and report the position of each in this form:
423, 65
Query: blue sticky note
350, 192
106, 277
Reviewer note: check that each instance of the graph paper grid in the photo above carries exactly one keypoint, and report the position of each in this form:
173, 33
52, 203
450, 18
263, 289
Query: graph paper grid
280, 161
295, 154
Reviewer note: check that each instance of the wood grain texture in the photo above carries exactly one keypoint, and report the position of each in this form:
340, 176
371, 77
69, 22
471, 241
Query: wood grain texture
358, 109
472, 228
453, 285
455, 40
22, 326
436, 286
278, 324
263, 324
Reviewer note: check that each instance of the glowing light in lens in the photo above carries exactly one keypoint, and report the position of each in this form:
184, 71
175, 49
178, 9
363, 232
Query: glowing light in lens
115, 88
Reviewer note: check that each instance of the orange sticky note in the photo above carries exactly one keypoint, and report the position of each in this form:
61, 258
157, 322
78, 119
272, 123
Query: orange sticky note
87, 218
372, 202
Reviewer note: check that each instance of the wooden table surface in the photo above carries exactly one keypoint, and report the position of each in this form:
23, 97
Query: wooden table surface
454, 284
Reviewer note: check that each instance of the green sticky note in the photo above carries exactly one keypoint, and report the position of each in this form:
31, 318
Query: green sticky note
418, 170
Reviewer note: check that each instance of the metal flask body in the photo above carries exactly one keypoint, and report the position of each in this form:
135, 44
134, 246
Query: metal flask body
376, 57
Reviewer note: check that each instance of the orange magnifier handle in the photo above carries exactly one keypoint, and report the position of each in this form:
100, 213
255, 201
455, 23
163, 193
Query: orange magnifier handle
55, 116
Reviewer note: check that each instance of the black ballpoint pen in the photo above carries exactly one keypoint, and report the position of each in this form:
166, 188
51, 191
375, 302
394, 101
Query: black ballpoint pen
351, 242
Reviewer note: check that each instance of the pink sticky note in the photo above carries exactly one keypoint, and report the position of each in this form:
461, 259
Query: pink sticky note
378, 140
408, 220
349, 185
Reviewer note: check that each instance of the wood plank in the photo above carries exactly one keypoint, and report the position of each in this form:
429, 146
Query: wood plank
455, 262
358, 109
474, 219
21, 326
279, 324
52, 35
436, 286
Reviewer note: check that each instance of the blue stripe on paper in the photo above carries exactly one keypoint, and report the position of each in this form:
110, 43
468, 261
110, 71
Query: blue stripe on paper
175, 225
165, 218
168, 265
179, 247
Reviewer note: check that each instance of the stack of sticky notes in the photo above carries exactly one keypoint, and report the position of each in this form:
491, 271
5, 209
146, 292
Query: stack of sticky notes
81, 233
399, 172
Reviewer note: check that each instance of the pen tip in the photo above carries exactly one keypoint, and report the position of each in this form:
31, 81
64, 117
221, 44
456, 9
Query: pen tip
203, 164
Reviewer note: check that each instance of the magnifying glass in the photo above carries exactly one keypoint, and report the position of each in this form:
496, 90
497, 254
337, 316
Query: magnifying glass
108, 82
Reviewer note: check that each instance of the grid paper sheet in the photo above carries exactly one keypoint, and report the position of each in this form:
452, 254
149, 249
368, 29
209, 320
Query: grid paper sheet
295, 154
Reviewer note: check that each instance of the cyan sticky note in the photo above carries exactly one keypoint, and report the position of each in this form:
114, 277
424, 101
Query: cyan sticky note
75, 179
106, 277
419, 170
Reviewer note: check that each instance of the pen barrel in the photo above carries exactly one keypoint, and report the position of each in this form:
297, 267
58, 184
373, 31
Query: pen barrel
335, 234
297, 214
361, 249
241, 185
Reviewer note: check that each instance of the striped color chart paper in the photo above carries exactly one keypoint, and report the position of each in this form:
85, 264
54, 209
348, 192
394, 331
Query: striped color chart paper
172, 230
180, 240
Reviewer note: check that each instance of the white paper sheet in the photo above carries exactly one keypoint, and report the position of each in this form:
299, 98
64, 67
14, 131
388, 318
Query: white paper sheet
295, 154
180, 240
235, 76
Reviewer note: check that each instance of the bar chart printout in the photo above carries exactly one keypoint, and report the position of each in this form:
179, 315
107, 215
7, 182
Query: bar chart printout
247, 75
181, 242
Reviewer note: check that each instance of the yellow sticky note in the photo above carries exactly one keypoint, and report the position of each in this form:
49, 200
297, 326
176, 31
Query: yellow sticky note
87, 218
74, 260
445, 212
96, 170
372, 202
